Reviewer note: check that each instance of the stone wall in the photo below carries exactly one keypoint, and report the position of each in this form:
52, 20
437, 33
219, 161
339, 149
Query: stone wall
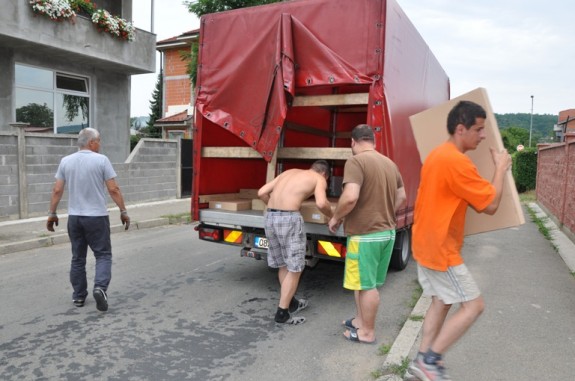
151, 172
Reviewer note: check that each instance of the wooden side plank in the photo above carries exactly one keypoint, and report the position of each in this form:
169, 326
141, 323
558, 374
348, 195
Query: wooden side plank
331, 100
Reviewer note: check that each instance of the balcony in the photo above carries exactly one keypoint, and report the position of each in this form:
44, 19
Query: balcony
79, 43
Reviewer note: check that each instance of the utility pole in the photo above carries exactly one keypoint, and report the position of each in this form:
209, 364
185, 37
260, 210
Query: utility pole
152, 20
531, 123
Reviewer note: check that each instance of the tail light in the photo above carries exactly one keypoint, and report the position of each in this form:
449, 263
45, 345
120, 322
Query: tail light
210, 234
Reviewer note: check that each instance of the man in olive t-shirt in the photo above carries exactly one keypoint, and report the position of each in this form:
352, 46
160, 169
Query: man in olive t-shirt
373, 192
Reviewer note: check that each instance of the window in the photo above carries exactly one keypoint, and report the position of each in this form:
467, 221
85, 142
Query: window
46, 98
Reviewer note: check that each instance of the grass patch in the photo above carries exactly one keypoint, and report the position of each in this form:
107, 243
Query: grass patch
400, 369
540, 222
543, 229
383, 349
527, 197
376, 374
415, 295
178, 218
416, 317
397, 369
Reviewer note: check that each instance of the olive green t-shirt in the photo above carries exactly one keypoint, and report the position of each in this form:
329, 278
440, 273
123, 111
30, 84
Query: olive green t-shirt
379, 179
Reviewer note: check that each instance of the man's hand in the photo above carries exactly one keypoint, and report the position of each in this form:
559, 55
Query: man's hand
125, 219
333, 225
52, 220
501, 159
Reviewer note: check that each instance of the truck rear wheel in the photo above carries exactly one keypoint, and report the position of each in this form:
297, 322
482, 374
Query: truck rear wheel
401, 249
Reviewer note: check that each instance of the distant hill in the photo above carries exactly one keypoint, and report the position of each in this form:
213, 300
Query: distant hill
542, 123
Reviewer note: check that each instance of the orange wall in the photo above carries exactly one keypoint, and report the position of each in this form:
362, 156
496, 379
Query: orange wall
177, 84
176, 92
173, 63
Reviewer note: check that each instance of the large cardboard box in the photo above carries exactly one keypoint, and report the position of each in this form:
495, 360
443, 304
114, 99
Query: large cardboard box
248, 193
234, 205
311, 213
217, 197
258, 204
430, 130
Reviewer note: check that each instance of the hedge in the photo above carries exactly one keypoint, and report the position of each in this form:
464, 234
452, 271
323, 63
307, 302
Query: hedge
525, 169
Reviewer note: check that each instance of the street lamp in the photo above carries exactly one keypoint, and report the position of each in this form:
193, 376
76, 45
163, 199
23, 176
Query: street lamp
531, 123
152, 17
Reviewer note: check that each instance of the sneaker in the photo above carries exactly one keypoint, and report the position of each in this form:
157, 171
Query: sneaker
101, 299
79, 302
427, 372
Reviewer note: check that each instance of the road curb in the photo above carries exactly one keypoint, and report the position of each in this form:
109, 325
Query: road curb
37, 243
406, 338
564, 246
408, 335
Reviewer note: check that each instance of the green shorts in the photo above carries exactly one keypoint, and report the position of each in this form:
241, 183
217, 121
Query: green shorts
367, 260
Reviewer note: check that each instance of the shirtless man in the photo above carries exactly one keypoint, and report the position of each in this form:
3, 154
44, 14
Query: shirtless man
285, 231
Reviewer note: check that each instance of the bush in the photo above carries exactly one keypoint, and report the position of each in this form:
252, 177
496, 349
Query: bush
525, 169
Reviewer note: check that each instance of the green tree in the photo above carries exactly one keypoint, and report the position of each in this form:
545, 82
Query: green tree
74, 104
36, 115
513, 136
542, 124
156, 107
191, 57
203, 7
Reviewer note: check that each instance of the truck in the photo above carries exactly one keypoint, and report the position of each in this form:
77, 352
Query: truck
281, 85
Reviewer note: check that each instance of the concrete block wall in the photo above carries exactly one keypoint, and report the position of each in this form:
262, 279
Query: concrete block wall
43, 154
555, 188
150, 173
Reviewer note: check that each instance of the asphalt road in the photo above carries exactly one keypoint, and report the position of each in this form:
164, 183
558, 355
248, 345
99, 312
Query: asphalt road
183, 309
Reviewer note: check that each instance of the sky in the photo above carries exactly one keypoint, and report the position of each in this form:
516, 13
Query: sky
514, 49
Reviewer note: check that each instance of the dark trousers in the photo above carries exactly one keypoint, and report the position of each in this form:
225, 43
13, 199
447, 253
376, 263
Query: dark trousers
93, 232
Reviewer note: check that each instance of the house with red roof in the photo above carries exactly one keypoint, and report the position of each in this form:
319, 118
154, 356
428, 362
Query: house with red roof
178, 93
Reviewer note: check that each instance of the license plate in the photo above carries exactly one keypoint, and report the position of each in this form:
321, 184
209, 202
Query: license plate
261, 242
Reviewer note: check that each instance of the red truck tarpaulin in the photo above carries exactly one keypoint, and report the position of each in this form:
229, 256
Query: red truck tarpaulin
253, 61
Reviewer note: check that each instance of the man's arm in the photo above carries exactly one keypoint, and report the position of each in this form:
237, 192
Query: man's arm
345, 204
400, 198
265, 191
321, 200
57, 192
116, 195
502, 162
